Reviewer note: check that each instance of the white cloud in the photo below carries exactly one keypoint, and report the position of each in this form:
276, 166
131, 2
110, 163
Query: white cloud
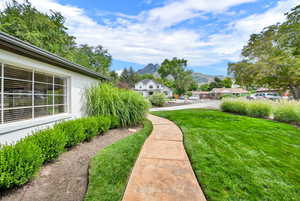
148, 37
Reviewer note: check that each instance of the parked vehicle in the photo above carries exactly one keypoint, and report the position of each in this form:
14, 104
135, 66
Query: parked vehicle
194, 98
263, 96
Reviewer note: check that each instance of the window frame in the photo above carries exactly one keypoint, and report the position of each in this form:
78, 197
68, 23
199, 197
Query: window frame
65, 96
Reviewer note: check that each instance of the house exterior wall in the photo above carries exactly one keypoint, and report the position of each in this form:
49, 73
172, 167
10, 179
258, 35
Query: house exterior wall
146, 90
76, 85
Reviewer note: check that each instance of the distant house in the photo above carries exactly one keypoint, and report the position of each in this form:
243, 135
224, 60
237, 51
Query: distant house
217, 93
148, 87
202, 94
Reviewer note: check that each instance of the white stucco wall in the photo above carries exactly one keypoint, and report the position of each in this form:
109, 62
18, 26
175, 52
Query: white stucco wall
77, 83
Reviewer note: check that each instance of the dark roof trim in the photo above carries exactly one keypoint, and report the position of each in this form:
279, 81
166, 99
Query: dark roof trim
12, 44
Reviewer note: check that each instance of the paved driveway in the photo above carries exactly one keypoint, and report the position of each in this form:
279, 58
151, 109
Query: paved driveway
211, 104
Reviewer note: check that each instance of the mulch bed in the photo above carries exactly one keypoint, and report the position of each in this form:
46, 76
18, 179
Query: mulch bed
66, 178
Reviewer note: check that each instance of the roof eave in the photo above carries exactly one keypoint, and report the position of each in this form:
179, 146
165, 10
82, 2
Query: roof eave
20, 47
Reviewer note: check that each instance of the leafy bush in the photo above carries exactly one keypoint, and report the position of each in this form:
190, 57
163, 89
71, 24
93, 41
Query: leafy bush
18, 163
237, 106
115, 122
104, 123
51, 142
261, 109
73, 130
158, 99
287, 112
90, 126
105, 99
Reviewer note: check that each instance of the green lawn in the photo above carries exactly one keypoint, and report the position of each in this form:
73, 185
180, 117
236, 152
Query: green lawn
111, 167
238, 158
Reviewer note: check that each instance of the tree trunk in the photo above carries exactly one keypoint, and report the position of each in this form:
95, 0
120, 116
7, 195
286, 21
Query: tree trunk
296, 92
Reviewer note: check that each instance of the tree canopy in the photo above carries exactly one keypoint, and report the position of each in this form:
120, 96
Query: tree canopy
48, 31
177, 68
272, 57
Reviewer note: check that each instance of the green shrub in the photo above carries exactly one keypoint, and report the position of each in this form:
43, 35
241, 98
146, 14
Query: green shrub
237, 106
73, 130
90, 127
261, 109
128, 106
287, 112
52, 142
158, 99
103, 123
19, 163
115, 122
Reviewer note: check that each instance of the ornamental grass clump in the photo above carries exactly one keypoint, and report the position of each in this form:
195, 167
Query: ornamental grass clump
128, 106
287, 111
260, 109
234, 105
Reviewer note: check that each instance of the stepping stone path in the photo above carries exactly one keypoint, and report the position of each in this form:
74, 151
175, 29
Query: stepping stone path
163, 171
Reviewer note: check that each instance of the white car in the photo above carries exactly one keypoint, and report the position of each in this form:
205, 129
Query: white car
194, 98
263, 96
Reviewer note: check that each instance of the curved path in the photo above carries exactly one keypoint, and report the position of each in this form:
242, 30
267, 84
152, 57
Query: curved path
163, 171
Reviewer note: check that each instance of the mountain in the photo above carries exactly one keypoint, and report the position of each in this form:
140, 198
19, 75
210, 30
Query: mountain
199, 77
149, 69
202, 78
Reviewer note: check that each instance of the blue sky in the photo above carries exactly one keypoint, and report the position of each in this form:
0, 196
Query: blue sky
208, 33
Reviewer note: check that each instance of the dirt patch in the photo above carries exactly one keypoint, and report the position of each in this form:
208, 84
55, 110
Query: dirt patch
66, 178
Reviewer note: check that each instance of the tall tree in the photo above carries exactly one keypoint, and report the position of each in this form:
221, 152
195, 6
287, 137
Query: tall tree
272, 57
48, 31
177, 68
95, 58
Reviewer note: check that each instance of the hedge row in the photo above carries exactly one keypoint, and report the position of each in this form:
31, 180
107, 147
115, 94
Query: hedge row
255, 108
20, 162
284, 111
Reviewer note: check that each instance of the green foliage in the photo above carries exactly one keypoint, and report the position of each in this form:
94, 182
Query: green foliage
239, 158
48, 31
183, 79
261, 109
227, 82
90, 126
73, 130
104, 123
115, 122
51, 142
272, 57
287, 112
189, 93
205, 87
18, 163
129, 106
158, 99
96, 58
111, 167
129, 76
236, 106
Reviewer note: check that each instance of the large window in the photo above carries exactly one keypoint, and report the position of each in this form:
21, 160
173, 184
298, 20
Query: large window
29, 94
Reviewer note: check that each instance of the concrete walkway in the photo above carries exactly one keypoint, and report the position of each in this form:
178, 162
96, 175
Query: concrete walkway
163, 171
